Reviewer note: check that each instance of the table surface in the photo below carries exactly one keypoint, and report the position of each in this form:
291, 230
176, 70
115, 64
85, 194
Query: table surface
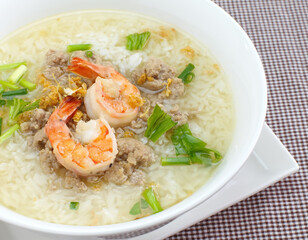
279, 30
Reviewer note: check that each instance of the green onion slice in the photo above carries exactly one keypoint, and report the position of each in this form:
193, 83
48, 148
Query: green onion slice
175, 161
17, 74
78, 47
187, 75
1, 120
136, 209
143, 204
9, 85
191, 143
158, 123
137, 41
151, 199
11, 65
8, 133
89, 54
22, 91
1, 90
26, 84
2, 102
18, 106
74, 205
191, 149
177, 139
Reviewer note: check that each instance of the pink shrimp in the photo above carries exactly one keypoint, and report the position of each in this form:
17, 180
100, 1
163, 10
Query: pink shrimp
99, 149
112, 96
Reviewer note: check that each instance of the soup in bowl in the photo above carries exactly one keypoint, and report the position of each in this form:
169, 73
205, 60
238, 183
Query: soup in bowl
117, 119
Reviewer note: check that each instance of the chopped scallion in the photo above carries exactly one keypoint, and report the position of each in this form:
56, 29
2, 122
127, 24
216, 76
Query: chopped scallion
89, 54
191, 149
206, 155
26, 84
11, 65
78, 47
177, 141
8, 133
1, 89
9, 85
175, 161
151, 199
17, 74
158, 123
74, 205
187, 75
18, 106
1, 120
138, 206
143, 204
137, 41
22, 91
2, 102
191, 143
135, 209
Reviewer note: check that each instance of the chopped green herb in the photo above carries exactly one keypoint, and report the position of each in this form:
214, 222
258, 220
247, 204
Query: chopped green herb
135, 209
18, 106
191, 143
138, 206
208, 155
1, 120
11, 65
22, 91
137, 41
151, 199
175, 161
191, 149
9, 85
8, 133
158, 123
177, 140
2, 102
17, 74
143, 204
1, 90
74, 205
187, 75
78, 47
89, 54
26, 84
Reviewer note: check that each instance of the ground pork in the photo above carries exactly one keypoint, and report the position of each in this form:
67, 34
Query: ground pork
154, 76
72, 181
132, 155
56, 64
48, 161
38, 119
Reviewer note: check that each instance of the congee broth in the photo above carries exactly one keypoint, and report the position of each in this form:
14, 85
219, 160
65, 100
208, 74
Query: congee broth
107, 117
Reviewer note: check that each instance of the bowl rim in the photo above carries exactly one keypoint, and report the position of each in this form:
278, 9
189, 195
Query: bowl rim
161, 217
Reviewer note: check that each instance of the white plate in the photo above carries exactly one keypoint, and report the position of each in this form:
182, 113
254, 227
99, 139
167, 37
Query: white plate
268, 163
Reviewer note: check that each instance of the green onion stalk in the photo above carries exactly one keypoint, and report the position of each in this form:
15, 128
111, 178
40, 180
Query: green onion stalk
78, 47
9, 133
151, 199
17, 74
22, 91
11, 65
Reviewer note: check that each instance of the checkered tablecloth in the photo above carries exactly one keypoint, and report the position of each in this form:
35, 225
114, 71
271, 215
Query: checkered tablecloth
279, 30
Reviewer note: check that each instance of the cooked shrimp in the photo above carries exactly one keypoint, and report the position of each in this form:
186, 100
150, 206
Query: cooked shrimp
112, 96
99, 149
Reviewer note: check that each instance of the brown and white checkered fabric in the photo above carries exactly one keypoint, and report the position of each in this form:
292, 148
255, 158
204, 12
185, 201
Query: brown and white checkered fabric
279, 30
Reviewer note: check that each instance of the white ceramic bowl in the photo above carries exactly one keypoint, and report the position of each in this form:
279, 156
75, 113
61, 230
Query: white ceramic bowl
228, 43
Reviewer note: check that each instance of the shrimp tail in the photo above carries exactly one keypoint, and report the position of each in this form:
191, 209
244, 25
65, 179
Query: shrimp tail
67, 108
87, 69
